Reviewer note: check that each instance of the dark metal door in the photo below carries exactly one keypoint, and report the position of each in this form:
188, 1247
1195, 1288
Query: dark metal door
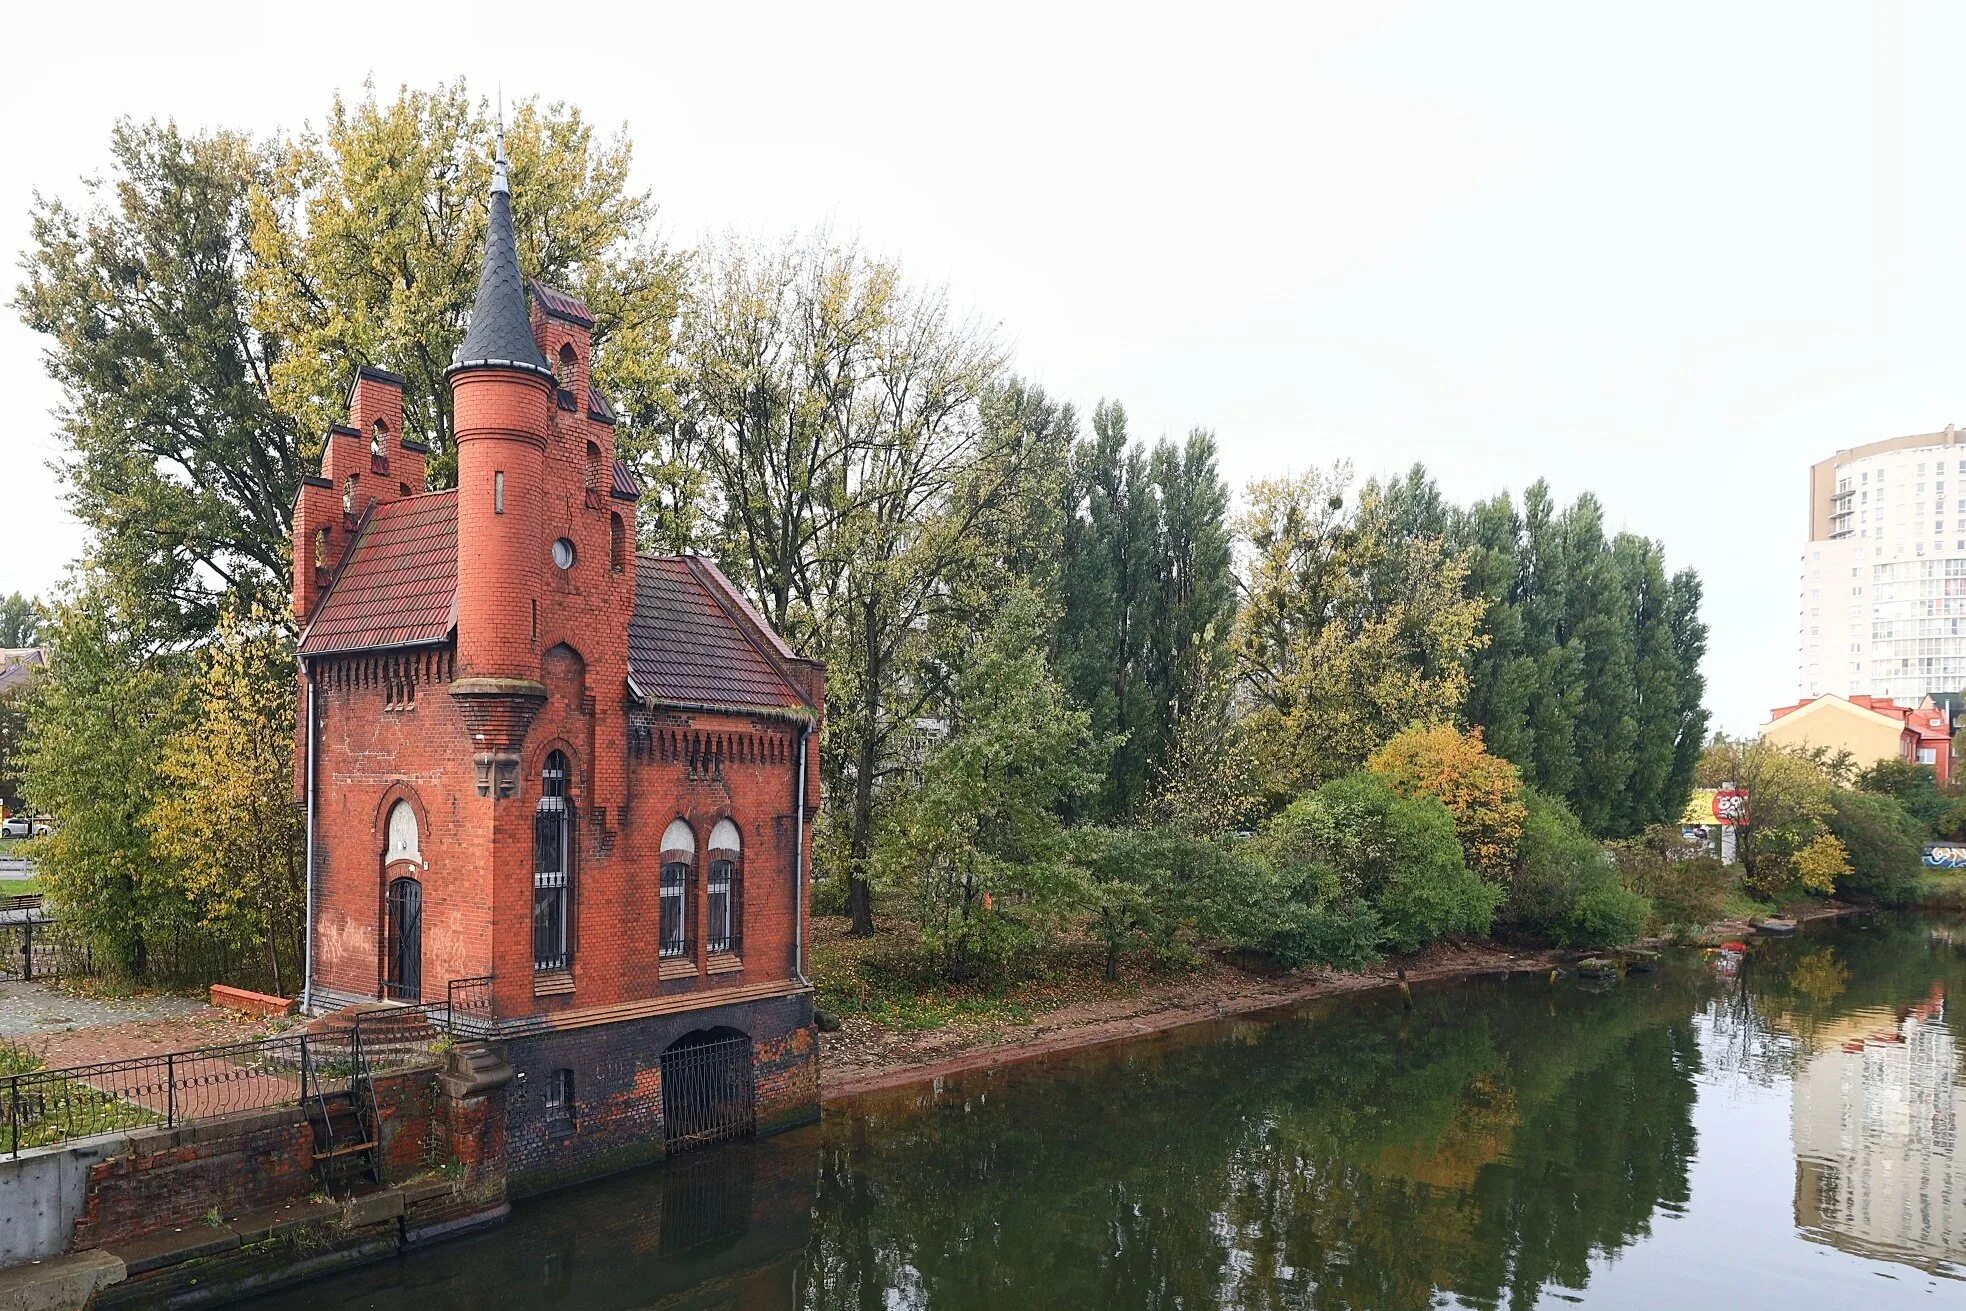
405, 976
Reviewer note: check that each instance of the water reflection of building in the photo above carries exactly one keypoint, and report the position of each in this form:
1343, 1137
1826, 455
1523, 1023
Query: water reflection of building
712, 1231
1875, 1129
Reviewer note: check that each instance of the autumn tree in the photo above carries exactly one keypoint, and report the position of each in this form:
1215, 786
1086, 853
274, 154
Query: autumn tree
1788, 805
225, 813
367, 236
1348, 629
1482, 792
206, 302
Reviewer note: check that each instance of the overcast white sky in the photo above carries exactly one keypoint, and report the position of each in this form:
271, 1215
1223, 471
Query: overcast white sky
1670, 253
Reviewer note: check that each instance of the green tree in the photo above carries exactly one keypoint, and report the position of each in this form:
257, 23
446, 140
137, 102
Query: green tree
225, 813
1356, 851
13, 728
874, 473
1347, 630
20, 620
1157, 890
1147, 590
1913, 786
1590, 676
1566, 887
174, 456
1886, 845
978, 849
207, 302
97, 725
1788, 805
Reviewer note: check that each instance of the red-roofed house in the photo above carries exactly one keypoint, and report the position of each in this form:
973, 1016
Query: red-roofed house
570, 780
1870, 728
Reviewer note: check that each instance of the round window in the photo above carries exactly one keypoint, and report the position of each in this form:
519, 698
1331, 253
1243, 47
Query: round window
563, 553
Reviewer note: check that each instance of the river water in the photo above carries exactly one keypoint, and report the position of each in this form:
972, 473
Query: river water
1776, 1130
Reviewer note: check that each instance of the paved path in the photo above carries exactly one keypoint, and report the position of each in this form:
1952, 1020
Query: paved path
42, 1009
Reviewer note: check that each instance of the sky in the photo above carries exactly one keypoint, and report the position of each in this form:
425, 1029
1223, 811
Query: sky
1671, 254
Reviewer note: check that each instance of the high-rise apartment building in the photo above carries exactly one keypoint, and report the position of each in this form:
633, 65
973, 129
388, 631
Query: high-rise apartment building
1883, 605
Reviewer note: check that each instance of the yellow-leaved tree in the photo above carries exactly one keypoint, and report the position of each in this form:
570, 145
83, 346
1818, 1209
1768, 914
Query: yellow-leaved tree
225, 816
1482, 792
1349, 629
1822, 864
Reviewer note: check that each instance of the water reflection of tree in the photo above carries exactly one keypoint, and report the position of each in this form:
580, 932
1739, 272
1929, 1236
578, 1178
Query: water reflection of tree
1794, 995
1487, 1143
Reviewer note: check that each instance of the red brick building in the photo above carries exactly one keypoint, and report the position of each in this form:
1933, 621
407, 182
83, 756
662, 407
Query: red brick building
545, 771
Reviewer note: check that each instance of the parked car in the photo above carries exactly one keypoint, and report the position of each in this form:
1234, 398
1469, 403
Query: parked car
26, 826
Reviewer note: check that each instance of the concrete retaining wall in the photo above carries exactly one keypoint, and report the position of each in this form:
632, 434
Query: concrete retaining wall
44, 1192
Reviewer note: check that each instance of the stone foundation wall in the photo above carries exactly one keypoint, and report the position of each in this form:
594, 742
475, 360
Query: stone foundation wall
617, 1080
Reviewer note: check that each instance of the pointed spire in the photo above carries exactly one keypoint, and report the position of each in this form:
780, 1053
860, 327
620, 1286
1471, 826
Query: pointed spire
500, 335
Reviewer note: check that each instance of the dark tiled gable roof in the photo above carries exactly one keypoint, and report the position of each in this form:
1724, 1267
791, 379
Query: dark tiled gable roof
399, 585
684, 646
562, 304
624, 482
693, 637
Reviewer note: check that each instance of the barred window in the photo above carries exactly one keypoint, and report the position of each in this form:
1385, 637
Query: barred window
552, 947
559, 1098
725, 909
678, 890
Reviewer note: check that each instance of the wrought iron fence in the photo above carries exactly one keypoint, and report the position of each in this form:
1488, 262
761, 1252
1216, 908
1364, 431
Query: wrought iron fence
43, 1107
468, 1005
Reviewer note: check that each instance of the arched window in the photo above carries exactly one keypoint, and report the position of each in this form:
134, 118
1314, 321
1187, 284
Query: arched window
593, 466
617, 542
552, 878
404, 843
678, 889
321, 547
379, 439
348, 496
724, 915
569, 363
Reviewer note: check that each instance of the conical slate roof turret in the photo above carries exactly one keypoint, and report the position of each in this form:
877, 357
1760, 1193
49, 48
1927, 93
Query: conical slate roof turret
500, 335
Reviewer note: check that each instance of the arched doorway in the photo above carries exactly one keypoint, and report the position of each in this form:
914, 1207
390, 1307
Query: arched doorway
403, 948
707, 1090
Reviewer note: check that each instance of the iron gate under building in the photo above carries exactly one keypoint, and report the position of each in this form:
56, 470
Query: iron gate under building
707, 1090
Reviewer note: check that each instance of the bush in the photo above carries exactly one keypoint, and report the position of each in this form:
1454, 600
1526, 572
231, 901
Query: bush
1482, 792
1565, 887
1356, 846
1684, 885
1886, 846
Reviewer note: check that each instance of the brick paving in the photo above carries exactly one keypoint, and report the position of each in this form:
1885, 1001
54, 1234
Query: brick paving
65, 1029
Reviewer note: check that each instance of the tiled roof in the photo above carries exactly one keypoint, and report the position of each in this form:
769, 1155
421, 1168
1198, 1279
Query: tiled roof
598, 406
693, 638
500, 334
19, 665
624, 482
399, 585
684, 646
561, 304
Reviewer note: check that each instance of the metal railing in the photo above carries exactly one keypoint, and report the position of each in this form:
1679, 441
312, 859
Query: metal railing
48, 1106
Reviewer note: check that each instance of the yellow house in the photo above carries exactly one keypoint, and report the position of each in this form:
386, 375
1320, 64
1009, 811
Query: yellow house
1869, 728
